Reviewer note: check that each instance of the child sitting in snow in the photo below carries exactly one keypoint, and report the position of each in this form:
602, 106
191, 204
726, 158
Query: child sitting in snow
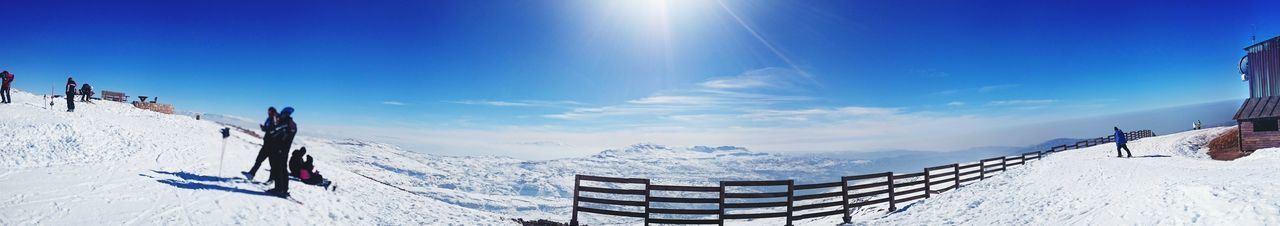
306, 170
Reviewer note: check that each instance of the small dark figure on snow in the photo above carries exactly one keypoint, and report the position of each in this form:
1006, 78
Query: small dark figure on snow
5, 96
71, 94
87, 91
281, 141
1121, 142
267, 127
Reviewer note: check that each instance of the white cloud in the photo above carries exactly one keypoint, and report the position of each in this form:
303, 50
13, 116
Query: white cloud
955, 103
522, 103
862, 129
1021, 102
931, 73
992, 88
395, 103
734, 83
819, 113
750, 91
947, 92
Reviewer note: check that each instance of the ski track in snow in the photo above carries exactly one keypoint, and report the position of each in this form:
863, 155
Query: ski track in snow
109, 163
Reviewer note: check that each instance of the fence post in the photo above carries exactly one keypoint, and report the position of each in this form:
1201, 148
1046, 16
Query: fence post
982, 170
791, 193
1002, 163
647, 193
893, 205
721, 205
926, 183
956, 169
844, 187
577, 180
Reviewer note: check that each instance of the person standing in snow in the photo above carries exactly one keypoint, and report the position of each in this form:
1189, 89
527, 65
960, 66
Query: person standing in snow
5, 96
282, 135
1121, 142
71, 94
266, 126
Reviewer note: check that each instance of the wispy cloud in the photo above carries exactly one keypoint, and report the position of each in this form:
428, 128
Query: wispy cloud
819, 113
947, 92
1021, 102
983, 89
394, 103
992, 88
955, 103
930, 73
750, 91
521, 103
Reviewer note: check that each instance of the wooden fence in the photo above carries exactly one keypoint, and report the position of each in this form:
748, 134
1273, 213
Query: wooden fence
655, 204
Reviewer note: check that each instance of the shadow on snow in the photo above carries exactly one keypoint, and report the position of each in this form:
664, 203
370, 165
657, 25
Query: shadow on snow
204, 182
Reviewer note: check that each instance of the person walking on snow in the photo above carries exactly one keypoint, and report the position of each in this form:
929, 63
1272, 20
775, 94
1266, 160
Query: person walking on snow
71, 94
266, 126
5, 96
1120, 143
282, 140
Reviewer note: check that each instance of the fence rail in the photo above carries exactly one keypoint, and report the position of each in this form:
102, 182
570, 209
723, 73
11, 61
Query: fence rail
817, 200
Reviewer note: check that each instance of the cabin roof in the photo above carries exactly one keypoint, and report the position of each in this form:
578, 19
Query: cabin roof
1258, 108
1260, 43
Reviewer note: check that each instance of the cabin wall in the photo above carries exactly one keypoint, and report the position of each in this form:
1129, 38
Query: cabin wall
1250, 140
1264, 68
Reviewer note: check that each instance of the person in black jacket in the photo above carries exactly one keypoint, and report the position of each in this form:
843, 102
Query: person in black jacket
5, 96
264, 152
282, 136
71, 95
87, 91
295, 162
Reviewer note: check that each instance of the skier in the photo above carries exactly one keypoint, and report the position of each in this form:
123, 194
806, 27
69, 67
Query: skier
1120, 143
5, 96
266, 126
71, 94
87, 91
282, 139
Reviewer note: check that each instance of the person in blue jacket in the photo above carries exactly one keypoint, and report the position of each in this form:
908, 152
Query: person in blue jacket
265, 152
1120, 143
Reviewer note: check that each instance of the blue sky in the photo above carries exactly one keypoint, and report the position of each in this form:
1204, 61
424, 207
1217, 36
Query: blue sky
571, 73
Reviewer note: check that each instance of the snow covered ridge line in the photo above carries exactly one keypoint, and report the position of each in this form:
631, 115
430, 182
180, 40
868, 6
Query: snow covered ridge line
638, 198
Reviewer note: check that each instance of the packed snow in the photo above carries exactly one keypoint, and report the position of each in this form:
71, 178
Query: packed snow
110, 163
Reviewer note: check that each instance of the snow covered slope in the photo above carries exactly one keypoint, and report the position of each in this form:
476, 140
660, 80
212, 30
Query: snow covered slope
109, 163
1169, 182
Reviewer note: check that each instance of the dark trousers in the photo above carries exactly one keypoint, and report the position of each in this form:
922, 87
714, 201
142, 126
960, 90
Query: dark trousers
257, 162
5, 96
1126, 150
279, 170
71, 102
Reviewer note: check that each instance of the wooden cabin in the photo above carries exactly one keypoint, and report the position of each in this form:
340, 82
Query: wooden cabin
1257, 117
114, 96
